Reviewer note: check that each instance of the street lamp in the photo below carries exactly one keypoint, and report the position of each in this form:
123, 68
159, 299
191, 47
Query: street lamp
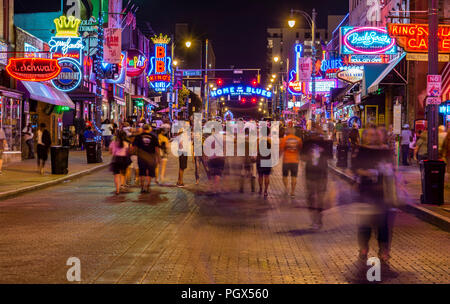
175, 62
291, 23
276, 58
188, 44
274, 75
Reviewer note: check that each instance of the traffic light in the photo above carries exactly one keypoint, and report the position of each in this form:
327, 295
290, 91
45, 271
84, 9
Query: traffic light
254, 100
219, 82
254, 82
243, 100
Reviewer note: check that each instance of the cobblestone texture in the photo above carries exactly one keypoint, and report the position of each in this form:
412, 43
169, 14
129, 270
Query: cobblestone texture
176, 235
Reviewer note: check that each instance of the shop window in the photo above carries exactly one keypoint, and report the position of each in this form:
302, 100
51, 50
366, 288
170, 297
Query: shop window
10, 115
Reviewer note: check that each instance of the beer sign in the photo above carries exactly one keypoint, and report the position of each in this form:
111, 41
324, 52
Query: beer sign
33, 69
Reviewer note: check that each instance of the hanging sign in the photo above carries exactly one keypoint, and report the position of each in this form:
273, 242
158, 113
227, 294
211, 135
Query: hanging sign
414, 37
66, 42
241, 90
120, 78
112, 45
33, 69
368, 59
70, 76
352, 75
323, 86
366, 40
301, 73
160, 73
136, 63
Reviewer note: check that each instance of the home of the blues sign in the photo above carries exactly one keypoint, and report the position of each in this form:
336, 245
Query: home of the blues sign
241, 90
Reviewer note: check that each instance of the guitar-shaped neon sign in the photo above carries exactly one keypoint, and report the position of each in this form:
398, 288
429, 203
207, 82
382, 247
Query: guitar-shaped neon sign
295, 86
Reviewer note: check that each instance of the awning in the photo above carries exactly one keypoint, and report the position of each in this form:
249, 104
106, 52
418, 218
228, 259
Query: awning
44, 93
370, 71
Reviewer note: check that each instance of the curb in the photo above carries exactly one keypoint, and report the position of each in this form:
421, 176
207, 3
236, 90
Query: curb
411, 207
17, 192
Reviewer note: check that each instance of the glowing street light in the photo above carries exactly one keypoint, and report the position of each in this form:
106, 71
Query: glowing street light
188, 44
175, 62
270, 86
291, 23
272, 80
274, 75
276, 58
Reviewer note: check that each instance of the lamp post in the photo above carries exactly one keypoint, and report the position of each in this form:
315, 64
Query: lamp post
312, 21
188, 44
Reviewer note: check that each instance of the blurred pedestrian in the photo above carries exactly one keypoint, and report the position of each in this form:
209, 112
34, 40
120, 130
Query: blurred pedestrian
164, 155
44, 142
3, 146
441, 138
421, 148
338, 129
354, 138
147, 145
182, 157
28, 137
315, 156
405, 141
121, 160
264, 170
107, 132
290, 148
372, 165
446, 151
216, 162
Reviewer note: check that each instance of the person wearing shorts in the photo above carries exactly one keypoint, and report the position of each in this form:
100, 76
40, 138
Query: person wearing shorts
147, 145
263, 171
290, 147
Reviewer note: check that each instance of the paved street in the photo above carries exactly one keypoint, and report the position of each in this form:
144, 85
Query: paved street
176, 235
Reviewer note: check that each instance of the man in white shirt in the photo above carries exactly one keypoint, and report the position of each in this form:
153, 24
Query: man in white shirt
405, 141
28, 137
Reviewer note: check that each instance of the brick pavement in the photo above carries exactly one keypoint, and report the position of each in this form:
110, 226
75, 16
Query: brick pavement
22, 175
176, 235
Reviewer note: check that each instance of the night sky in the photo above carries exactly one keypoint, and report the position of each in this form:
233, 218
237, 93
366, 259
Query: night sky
237, 29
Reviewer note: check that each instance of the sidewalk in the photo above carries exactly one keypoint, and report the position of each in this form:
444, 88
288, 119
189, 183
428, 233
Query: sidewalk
410, 189
23, 176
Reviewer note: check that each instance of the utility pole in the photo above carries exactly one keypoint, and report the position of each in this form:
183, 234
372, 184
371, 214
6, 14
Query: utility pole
313, 48
206, 81
432, 109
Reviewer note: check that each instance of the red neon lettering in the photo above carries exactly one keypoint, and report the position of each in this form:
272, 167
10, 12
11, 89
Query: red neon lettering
160, 52
160, 66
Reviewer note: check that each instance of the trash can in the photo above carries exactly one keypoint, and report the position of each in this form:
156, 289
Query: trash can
94, 152
60, 159
433, 177
342, 156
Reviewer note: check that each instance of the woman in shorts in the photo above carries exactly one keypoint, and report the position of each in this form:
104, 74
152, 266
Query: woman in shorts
119, 150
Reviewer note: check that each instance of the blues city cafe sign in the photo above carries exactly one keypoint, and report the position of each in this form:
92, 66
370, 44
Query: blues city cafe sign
240, 90
366, 40
160, 73
70, 76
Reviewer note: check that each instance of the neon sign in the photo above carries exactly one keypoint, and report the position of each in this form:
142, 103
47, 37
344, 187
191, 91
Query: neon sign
368, 59
366, 40
301, 72
331, 64
240, 90
352, 75
159, 75
136, 63
67, 26
70, 76
122, 71
414, 37
66, 43
323, 86
33, 69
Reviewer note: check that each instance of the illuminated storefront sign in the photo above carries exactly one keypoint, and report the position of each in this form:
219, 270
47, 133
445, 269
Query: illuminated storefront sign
136, 63
352, 75
70, 76
122, 71
414, 37
323, 86
66, 42
159, 75
301, 73
366, 40
368, 59
241, 90
331, 64
33, 69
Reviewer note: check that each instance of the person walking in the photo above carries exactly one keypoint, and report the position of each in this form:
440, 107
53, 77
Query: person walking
3, 147
107, 132
354, 138
421, 149
28, 137
164, 155
405, 141
315, 156
147, 145
290, 147
264, 171
121, 160
44, 142
338, 131
370, 167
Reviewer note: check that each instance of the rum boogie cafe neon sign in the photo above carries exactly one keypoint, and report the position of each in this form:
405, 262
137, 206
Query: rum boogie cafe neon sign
366, 40
241, 90
33, 69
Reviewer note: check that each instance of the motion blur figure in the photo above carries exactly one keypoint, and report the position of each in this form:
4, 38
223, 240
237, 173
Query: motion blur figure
373, 168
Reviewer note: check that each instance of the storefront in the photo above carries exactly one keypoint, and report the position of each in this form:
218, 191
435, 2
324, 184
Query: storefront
45, 104
11, 122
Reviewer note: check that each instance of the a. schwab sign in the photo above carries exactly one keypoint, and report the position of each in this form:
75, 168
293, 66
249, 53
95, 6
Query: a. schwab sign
366, 40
